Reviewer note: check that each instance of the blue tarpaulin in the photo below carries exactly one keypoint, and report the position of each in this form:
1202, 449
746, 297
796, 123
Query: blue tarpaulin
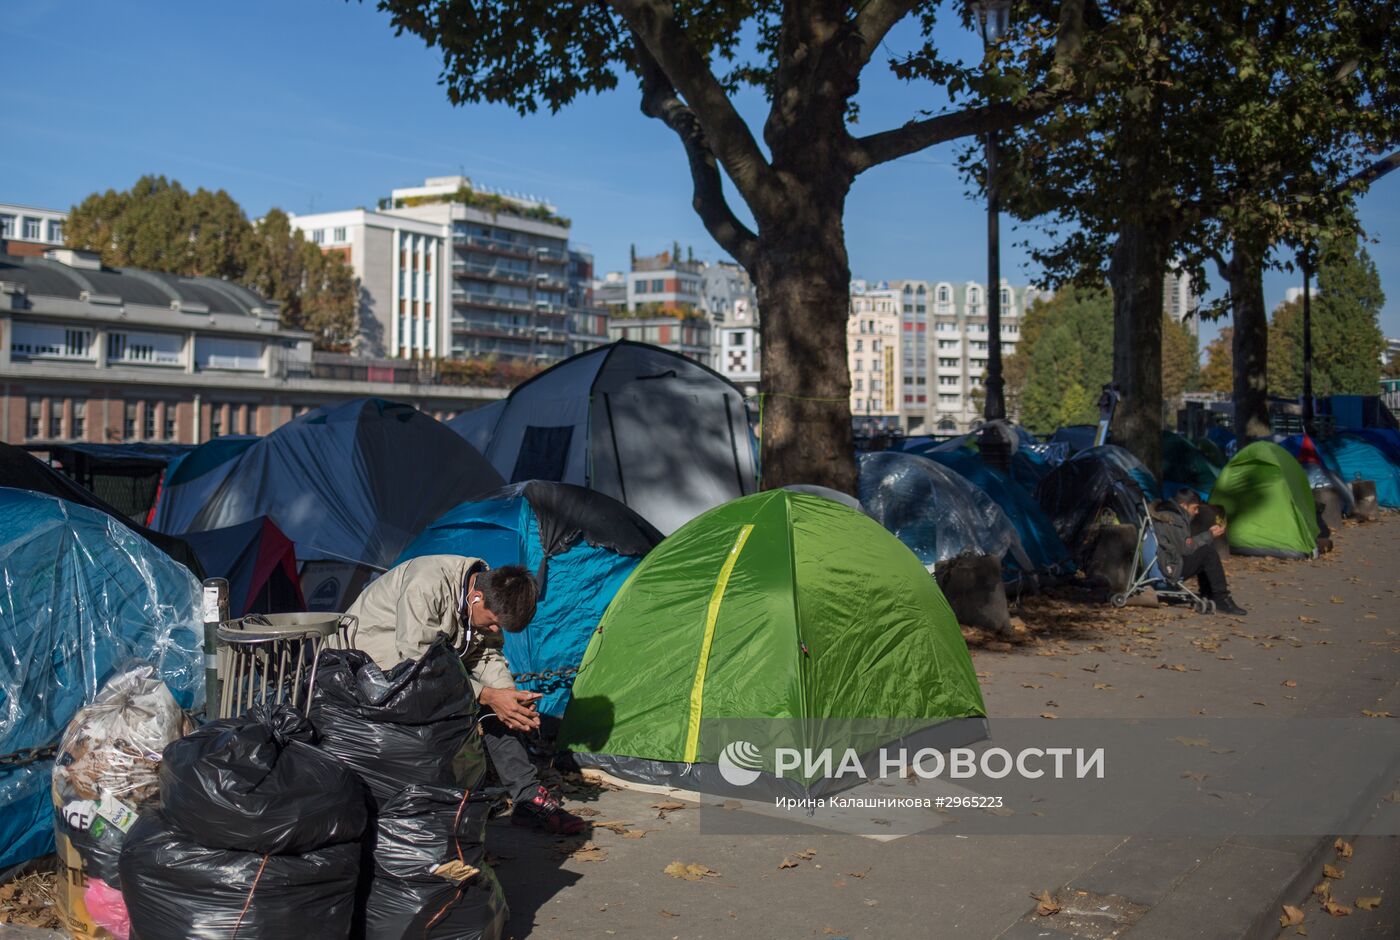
80, 595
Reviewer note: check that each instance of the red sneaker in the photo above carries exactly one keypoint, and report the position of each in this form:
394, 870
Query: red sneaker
542, 811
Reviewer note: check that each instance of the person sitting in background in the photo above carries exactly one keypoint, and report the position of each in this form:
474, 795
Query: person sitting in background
1183, 555
402, 613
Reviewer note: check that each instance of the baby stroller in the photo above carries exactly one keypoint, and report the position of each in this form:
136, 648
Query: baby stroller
1147, 573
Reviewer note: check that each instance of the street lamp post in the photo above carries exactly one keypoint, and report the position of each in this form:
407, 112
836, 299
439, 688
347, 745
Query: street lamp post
993, 19
1308, 417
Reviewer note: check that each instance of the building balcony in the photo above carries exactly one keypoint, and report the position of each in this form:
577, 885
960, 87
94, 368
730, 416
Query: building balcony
552, 255
491, 272
495, 246
472, 298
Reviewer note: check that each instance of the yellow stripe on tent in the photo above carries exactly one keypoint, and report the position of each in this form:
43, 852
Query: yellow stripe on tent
697, 692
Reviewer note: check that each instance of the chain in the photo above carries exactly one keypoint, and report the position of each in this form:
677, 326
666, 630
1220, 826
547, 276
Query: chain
28, 755
562, 673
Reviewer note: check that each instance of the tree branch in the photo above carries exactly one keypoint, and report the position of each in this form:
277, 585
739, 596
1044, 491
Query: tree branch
873, 23
1375, 171
660, 101
653, 25
874, 149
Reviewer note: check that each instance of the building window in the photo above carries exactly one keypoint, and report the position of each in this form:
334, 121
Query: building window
31, 229
874, 345
76, 342
860, 345
949, 380
168, 420
55, 418
129, 421
33, 417
860, 385
318, 236
148, 422
7, 226
56, 231
338, 235
79, 418
216, 421
860, 365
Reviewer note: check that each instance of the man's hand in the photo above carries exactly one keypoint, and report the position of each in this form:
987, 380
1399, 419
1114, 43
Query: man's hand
1218, 529
513, 707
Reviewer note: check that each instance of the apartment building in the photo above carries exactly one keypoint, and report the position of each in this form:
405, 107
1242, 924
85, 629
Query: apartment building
1180, 299
664, 305
933, 343
29, 231
452, 269
90, 353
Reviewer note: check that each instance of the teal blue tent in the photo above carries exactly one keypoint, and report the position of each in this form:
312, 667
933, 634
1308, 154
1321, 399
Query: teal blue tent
82, 595
580, 543
1354, 457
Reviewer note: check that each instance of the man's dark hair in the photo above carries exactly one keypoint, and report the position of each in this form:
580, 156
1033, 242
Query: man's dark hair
510, 593
1184, 496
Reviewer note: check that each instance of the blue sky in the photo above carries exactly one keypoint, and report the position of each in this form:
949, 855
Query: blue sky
315, 105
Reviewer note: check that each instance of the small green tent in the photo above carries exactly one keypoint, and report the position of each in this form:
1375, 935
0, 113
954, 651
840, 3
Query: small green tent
776, 622
1268, 503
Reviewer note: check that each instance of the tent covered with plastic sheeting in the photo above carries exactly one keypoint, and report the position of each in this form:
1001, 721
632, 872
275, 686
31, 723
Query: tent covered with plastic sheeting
1076, 436
646, 426
1354, 457
1269, 508
1183, 465
192, 478
776, 620
1320, 468
1042, 544
479, 424
580, 543
351, 482
259, 563
21, 470
1090, 485
80, 594
1028, 466
934, 511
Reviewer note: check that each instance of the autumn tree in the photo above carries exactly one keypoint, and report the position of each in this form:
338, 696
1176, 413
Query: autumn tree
688, 62
158, 225
1218, 373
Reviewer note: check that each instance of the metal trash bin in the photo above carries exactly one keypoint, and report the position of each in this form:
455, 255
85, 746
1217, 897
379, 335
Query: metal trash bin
267, 659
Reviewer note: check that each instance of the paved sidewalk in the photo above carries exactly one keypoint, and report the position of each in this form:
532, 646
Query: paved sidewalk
1322, 640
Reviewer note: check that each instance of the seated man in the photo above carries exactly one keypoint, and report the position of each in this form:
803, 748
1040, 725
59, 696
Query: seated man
402, 613
1183, 555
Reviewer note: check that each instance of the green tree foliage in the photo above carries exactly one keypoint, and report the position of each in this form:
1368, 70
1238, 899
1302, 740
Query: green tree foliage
160, 226
1218, 373
1065, 357
691, 63
1347, 340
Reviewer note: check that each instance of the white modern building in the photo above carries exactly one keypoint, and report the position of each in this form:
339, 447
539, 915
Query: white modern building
451, 269
29, 231
1180, 299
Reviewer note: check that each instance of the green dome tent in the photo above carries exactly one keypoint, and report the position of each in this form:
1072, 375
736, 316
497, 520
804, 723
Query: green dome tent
1268, 503
776, 621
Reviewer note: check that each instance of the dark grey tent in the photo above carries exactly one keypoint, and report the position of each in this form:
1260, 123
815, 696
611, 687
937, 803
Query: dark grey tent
650, 428
352, 482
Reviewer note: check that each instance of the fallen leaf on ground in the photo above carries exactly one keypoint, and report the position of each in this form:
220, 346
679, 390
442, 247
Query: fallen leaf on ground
1344, 849
858, 874
1049, 715
638, 833
690, 871
1290, 684
588, 852
1292, 916
1174, 667
1338, 600
667, 807
1048, 905
666, 913
806, 854
1303, 618
1102, 686
1333, 872
788, 862
1323, 889
1192, 742
1335, 909
1030, 685
1370, 714
584, 811
616, 825
1192, 775
1368, 904
1393, 796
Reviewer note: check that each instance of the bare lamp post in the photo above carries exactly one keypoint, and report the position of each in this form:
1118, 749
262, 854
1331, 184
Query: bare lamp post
993, 20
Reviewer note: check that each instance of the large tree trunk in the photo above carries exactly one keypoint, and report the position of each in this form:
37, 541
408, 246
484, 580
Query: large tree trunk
1250, 342
803, 278
1135, 272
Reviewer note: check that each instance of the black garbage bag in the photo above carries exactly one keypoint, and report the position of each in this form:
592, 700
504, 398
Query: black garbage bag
259, 784
176, 889
411, 894
414, 725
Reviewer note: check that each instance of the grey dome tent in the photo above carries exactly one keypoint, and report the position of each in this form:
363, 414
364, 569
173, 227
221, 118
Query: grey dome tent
478, 424
353, 482
652, 429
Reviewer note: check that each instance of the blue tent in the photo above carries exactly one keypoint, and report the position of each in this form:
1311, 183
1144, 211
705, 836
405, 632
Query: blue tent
1320, 466
82, 595
1043, 545
581, 543
1093, 483
1355, 457
1387, 440
1028, 467
1185, 466
192, 478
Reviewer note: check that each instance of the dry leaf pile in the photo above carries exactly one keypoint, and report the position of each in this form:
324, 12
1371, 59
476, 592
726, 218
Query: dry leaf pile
29, 901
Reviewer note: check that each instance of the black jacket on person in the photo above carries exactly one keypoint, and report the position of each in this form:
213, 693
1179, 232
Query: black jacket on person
1174, 538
